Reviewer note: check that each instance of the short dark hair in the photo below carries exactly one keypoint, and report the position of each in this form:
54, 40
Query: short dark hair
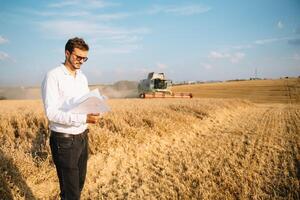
76, 43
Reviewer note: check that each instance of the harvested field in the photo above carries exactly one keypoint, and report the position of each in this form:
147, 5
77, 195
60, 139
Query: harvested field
162, 149
258, 91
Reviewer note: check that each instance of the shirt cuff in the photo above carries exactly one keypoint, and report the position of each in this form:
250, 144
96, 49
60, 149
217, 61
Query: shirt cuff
78, 119
83, 118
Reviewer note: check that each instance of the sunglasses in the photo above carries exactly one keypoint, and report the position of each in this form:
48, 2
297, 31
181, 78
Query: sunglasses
79, 58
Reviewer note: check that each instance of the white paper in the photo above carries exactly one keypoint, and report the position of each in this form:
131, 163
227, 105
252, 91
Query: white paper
92, 102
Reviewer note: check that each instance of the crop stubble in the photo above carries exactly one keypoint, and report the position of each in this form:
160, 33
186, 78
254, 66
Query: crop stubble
162, 149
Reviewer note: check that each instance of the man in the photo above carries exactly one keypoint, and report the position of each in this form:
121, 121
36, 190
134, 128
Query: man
68, 138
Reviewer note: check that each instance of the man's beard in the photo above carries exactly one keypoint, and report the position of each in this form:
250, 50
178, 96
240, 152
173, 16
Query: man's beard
73, 65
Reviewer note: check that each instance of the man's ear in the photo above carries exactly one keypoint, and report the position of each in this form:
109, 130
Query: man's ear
67, 53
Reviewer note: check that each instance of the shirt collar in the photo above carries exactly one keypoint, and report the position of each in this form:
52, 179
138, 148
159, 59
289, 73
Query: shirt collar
66, 71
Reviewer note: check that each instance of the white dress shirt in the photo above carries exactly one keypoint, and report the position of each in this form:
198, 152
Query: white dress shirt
58, 88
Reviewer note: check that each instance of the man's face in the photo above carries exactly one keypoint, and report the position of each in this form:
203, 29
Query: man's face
77, 57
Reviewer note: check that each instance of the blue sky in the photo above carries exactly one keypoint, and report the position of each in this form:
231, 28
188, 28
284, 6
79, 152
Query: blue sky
188, 40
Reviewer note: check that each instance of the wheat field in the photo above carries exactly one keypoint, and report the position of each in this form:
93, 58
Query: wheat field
260, 91
162, 149
198, 148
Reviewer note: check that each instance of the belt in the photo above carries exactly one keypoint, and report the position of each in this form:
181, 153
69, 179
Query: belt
67, 135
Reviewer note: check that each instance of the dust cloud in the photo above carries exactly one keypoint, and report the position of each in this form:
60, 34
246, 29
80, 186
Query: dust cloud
20, 93
120, 89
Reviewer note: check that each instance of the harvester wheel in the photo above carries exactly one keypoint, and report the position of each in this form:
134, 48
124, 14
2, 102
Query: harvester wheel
142, 95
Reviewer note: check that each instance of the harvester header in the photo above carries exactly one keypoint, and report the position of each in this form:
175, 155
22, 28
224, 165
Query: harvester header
157, 86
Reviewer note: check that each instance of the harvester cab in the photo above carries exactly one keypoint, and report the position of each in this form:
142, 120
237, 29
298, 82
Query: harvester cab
157, 86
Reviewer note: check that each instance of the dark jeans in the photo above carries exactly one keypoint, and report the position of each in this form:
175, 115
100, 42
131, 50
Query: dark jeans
70, 156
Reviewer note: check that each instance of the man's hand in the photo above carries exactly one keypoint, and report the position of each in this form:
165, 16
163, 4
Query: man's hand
93, 118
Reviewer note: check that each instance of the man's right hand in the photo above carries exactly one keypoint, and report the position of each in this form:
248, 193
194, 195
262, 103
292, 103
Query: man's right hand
93, 118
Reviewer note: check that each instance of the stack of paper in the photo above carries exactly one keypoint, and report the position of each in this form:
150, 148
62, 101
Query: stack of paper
92, 102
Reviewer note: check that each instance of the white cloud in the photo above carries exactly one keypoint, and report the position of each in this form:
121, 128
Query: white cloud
265, 41
179, 10
272, 40
63, 4
58, 27
88, 4
91, 25
232, 57
3, 56
217, 55
84, 14
3, 40
83, 8
93, 30
71, 13
290, 39
280, 25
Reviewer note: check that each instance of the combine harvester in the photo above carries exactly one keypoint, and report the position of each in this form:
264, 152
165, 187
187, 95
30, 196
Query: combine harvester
157, 86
